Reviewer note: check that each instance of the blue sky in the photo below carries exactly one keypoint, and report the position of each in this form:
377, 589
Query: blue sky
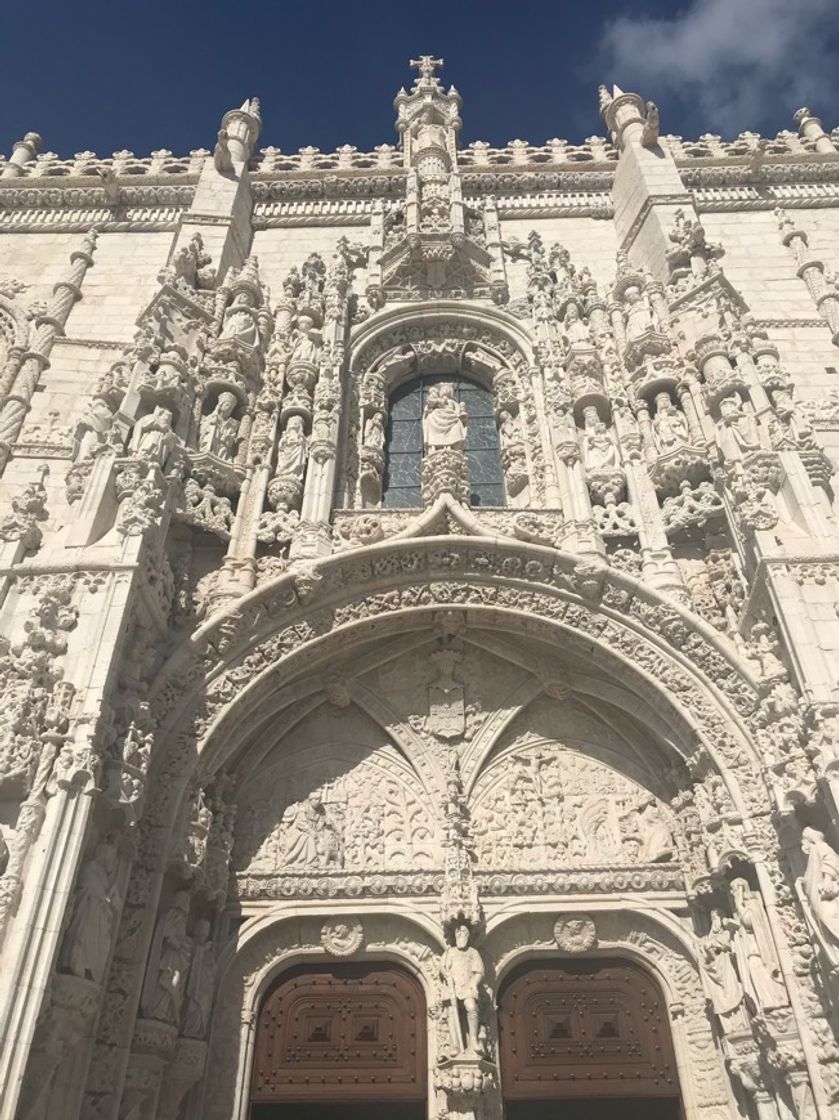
145, 74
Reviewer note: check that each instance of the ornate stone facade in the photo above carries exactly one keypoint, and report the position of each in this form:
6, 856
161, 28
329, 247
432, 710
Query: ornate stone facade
424, 559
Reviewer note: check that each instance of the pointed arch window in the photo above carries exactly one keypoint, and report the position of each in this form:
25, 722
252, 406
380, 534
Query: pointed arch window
403, 444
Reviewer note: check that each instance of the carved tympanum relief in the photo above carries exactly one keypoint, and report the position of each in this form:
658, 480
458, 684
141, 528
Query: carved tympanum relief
544, 803
339, 801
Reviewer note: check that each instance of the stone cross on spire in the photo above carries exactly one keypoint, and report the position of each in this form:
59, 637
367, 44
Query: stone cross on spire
426, 64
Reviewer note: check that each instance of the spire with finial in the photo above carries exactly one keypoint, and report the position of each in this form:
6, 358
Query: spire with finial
427, 98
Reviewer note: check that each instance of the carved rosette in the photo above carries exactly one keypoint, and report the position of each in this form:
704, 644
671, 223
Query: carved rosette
341, 937
575, 933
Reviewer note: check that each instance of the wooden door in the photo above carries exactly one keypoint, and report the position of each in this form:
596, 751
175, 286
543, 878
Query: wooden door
596, 1028
346, 1032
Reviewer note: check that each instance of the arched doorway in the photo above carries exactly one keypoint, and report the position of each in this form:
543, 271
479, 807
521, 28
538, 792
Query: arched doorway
341, 1042
592, 1035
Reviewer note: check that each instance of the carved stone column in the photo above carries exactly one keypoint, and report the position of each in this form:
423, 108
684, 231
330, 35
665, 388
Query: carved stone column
50, 325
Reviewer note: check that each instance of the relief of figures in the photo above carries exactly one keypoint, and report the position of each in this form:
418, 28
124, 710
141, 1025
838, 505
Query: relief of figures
546, 805
337, 826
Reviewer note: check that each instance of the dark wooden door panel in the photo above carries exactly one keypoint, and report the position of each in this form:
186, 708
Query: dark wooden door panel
342, 1032
596, 1028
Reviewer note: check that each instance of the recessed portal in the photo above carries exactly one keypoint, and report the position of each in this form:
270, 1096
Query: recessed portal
586, 1039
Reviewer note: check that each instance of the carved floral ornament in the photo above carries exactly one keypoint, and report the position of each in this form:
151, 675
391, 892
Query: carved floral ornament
282, 627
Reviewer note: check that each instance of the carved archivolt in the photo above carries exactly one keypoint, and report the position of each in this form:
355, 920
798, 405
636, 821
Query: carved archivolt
440, 319
293, 625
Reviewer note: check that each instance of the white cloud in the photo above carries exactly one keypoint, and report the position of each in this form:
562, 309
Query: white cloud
732, 64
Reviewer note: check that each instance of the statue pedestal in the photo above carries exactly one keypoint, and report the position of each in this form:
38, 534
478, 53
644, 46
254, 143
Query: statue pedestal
444, 471
466, 1081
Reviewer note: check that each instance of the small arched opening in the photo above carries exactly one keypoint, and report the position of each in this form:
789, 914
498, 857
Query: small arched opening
585, 1038
342, 1041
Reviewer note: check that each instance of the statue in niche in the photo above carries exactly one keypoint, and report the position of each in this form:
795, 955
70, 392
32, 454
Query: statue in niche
153, 438
574, 330
725, 990
219, 428
756, 958
200, 984
638, 313
306, 347
170, 964
313, 274
656, 836
313, 839
600, 452
509, 431
820, 888
291, 451
87, 942
670, 427
95, 424
740, 425
240, 322
792, 428
374, 432
444, 420
463, 973
428, 133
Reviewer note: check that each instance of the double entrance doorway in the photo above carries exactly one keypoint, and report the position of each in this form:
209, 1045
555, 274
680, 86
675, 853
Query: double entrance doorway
578, 1040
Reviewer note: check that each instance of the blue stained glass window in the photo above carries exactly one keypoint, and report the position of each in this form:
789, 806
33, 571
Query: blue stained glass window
403, 463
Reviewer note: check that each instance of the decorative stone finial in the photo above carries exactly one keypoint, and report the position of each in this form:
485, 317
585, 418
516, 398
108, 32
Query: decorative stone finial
427, 64
242, 127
